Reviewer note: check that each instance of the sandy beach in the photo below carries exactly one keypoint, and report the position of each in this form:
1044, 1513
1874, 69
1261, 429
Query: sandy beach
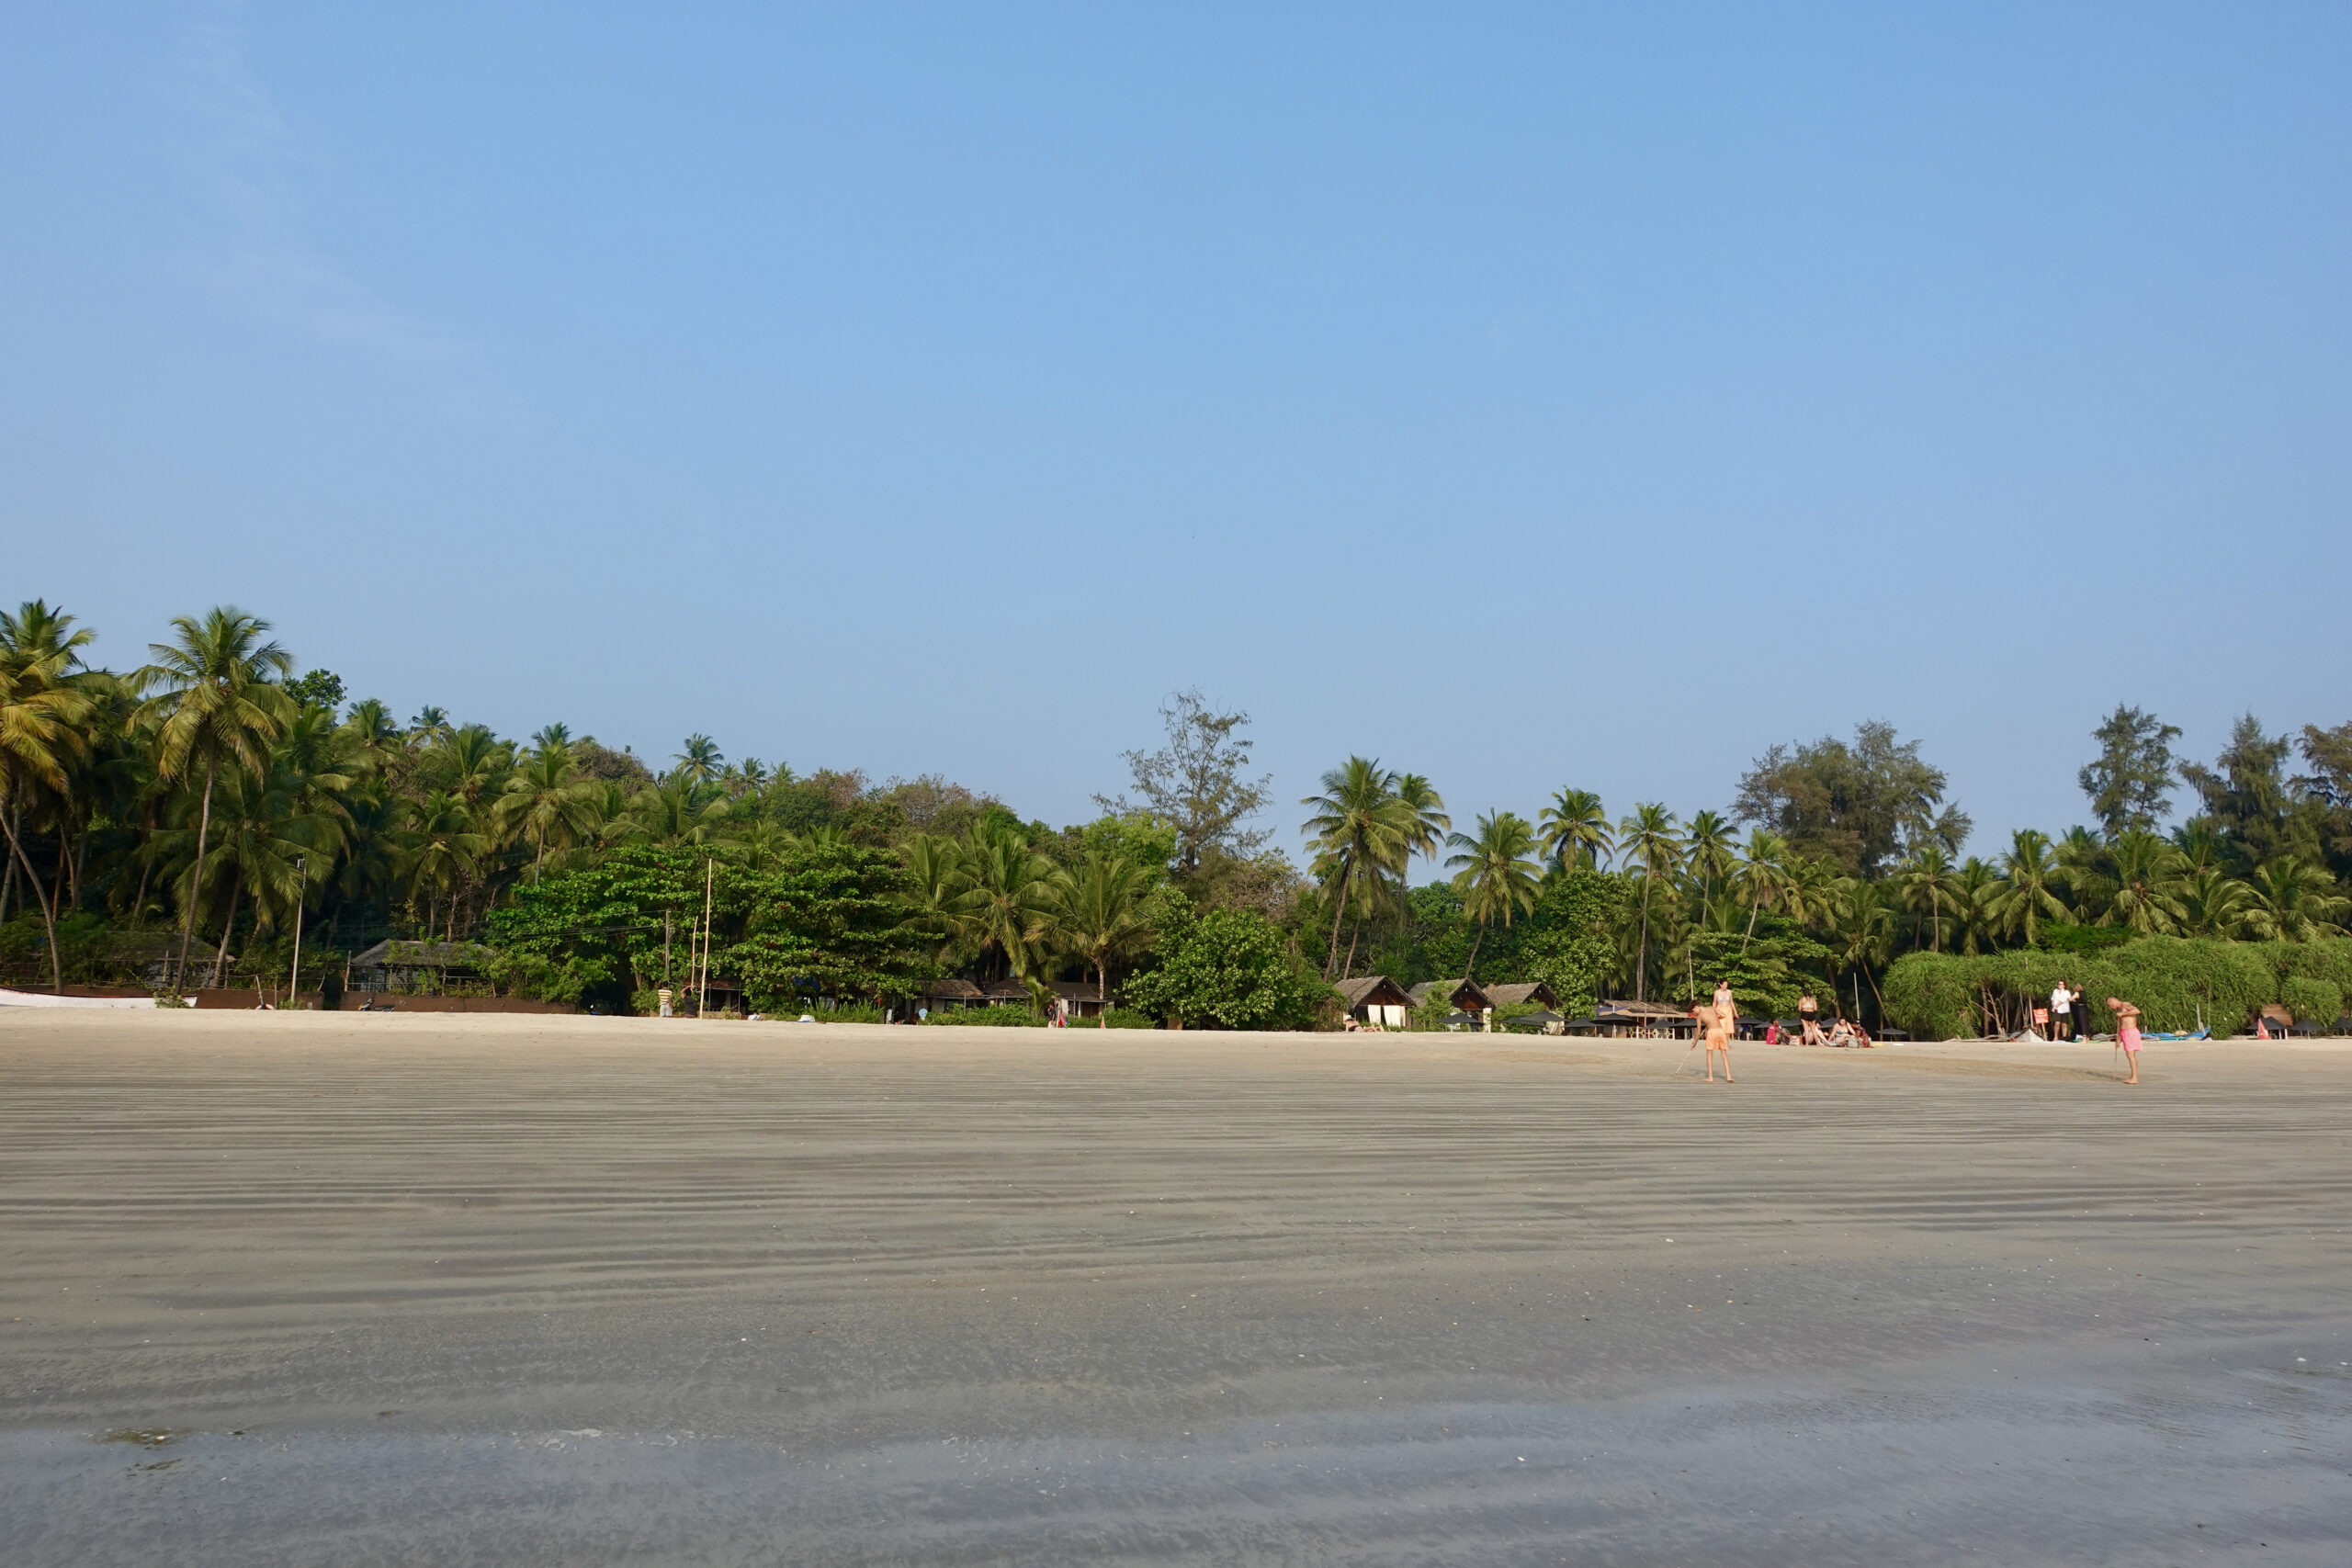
331, 1288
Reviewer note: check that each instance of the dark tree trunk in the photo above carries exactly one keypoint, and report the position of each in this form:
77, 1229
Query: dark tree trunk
196, 888
48, 915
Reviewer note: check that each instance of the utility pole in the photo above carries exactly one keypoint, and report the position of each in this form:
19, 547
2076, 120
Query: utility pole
303, 889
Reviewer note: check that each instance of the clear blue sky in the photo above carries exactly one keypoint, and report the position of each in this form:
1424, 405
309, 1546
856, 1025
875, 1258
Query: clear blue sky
1524, 396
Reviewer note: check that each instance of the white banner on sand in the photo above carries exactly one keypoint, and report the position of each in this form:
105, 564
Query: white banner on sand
9, 998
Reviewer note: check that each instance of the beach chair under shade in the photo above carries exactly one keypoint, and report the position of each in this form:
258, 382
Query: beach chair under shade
1533, 1022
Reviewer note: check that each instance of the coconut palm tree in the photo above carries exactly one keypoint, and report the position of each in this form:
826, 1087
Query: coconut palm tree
2024, 899
1761, 877
2145, 873
41, 718
1651, 842
1361, 831
700, 759
218, 706
1098, 912
1860, 930
440, 848
2214, 903
1498, 873
2082, 867
1926, 883
1709, 855
934, 868
1429, 823
1976, 890
1004, 894
1576, 829
545, 799
2292, 900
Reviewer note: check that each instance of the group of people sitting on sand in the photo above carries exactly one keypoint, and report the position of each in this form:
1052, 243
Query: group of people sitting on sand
1842, 1032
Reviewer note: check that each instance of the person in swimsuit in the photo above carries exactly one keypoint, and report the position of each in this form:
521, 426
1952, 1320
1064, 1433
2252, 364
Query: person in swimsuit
1809, 1016
1719, 1020
2127, 1032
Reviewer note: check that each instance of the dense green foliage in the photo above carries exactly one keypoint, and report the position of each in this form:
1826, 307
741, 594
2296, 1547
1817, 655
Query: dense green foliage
176, 822
2179, 983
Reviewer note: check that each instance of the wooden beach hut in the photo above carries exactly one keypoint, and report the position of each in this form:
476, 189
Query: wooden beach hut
1376, 1000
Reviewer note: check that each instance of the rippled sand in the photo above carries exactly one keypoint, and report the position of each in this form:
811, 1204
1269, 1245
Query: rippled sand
343, 1289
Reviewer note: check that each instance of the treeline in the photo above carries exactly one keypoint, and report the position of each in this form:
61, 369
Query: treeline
171, 819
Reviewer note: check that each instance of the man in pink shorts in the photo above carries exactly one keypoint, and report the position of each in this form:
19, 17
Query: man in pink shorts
2127, 1032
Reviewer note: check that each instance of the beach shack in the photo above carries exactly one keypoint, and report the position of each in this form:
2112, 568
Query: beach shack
952, 992
1376, 1000
1465, 995
1080, 998
423, 968
1535, 991
1625, 1020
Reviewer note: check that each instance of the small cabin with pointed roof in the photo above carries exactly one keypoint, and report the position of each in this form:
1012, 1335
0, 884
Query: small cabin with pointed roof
1376, 999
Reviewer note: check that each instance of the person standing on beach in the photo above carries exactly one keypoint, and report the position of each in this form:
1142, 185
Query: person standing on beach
1809, 1016
2061, 1013
1719, 1020
664, 995
2127, 1032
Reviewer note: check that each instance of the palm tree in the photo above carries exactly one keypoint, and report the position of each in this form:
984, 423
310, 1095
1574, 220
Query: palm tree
1576, 829
1709, 856
430, 724
1649, 840
1860, 930
439, 849
1360, 830
544, 798
1098, 911
2214, 903
701, 760
1762, 875
2146, 874
1004, 894
2082, 866
677, 810
935, 865
1498, 874
219, 704
2024, 899
2292, 900
42, 712
1925, 882
1976, 890
1429, 823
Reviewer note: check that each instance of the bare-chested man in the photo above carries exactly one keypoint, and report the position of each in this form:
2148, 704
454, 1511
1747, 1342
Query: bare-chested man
1720, 1019
2127, 1034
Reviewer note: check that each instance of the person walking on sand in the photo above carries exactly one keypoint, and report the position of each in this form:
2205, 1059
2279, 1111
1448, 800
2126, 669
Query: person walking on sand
2127, 1032
1719, 1020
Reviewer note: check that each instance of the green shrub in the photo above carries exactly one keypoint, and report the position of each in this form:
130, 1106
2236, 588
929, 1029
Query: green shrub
2312, 1000
2176, 981
1002, 1015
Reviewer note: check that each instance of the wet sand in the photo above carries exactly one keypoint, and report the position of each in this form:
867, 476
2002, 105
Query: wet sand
359, 1290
